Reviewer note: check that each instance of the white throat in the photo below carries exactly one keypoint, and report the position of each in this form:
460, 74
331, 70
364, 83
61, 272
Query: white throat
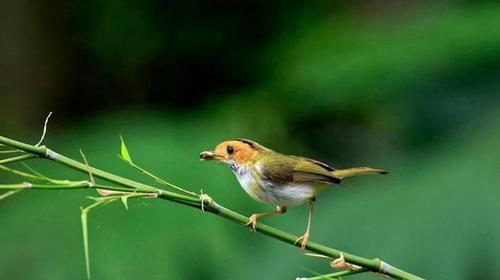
243, 174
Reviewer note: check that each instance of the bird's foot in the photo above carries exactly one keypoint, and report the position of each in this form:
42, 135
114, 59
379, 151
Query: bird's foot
252, 223
303, 241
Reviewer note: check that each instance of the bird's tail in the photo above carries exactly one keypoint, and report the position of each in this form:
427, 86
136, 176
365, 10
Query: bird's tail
357, 171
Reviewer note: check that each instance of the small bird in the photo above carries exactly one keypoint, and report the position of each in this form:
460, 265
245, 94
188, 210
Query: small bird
282, 180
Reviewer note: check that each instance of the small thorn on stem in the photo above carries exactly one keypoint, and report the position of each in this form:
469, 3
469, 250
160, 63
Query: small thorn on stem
317, 255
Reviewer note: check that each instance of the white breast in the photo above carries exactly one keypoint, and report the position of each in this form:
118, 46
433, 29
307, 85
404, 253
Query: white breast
291, 194
266, 191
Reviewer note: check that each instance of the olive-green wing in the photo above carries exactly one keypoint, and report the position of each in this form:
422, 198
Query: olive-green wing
308, 170
316, 162
289, 169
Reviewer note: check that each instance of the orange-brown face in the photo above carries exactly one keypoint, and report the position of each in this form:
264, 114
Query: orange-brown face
232, 150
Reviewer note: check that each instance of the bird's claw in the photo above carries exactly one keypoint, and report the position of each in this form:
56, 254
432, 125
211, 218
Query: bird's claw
252, 223
303, 239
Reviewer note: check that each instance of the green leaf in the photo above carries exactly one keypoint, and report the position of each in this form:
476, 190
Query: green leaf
124, 152
124, 200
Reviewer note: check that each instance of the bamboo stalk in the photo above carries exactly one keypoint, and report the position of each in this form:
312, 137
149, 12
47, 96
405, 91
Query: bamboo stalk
374, 265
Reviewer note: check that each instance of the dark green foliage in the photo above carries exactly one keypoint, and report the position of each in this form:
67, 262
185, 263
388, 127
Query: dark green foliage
411, 88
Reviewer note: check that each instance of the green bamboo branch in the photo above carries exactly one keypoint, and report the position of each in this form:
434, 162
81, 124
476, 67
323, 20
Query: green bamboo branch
69, 185
208, 205
336, 275
51, 184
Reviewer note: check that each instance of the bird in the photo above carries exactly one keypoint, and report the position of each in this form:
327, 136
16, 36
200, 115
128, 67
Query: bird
278, 179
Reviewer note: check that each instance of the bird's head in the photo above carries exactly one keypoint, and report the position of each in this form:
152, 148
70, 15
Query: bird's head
235, 151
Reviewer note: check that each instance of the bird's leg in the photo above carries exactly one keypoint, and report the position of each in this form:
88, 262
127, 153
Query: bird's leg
253, 219
304, 238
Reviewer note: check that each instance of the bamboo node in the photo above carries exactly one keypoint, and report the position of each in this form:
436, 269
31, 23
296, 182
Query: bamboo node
205, 198
340, 263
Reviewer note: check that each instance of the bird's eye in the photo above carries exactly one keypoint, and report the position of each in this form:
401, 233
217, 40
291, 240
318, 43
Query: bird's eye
230, 150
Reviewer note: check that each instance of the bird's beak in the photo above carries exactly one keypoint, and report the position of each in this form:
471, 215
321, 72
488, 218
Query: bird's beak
209, 155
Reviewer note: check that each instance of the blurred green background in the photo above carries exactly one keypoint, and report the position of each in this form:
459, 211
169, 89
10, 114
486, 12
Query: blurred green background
412, 87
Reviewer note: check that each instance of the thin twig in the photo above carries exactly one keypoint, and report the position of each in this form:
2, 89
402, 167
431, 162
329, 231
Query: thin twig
102, 192
160, 180
9, 193
336, 274
10, 152
16, 159
44, 130
125, 156
20, 173
101, 201
88, 167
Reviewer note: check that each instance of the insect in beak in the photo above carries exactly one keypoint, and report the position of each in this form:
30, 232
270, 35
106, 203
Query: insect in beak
209, 155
